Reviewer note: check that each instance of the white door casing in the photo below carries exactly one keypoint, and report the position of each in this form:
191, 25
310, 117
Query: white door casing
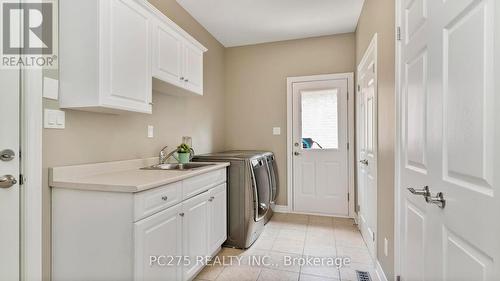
450, 139
366, 148
320, 176
10, 197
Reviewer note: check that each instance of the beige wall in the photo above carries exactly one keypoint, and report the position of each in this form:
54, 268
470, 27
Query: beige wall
93, 137
379, 17
256, 89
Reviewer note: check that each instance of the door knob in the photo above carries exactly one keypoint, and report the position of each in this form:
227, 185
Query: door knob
364, 162
7, 181
424, 191
296, 153
438, 200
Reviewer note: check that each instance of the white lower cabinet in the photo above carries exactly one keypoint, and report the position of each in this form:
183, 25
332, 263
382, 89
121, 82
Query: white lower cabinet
158, 234
155, 237
195, 229
217, 218
184, 234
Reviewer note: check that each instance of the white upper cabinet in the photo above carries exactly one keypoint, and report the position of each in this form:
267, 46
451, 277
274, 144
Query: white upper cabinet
193, 69
110, 50
177, 57
105, 55
167, 53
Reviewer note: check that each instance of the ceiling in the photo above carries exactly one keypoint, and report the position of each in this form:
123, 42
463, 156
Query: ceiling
246, 22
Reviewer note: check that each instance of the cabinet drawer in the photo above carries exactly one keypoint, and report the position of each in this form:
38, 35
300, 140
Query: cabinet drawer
198, 184
152, 201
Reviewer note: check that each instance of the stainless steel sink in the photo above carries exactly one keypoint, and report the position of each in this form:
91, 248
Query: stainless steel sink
179, 167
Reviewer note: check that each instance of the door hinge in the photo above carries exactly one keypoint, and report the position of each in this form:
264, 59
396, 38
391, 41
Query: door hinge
358, 208
359, 88
348, 197
398, 33
21, 179
373, 235
348, 146
398, 278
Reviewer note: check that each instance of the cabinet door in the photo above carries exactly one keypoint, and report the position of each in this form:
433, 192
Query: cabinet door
167, 54
193, 69
195, 232
126, 55
218, 217
159, 235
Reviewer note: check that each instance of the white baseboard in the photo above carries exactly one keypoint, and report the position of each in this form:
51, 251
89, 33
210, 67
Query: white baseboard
380, 272
281, 209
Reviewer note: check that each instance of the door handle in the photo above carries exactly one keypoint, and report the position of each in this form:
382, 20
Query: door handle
364, 162
424, 191
296, 153
7, 181
437, 200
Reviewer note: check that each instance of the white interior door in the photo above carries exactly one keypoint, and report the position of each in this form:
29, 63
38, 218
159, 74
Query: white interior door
320, 155
9, 174
366, 131
450, 139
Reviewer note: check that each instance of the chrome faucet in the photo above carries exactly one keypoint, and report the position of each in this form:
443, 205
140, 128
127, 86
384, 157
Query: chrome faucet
164, 156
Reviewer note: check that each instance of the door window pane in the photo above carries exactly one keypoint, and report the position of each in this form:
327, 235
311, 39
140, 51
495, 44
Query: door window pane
319, 119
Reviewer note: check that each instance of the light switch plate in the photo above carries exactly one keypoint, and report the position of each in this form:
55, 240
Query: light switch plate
151, 131
386, 247
50, 88
276, 131
54, 119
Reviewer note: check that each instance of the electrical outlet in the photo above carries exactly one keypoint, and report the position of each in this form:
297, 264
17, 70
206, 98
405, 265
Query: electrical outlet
151, 131
386, 247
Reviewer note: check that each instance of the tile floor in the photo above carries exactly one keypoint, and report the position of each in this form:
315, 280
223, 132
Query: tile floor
292, 236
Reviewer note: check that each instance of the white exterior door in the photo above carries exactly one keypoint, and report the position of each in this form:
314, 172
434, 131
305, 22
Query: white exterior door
159, 235
450, 140
9, 173
320, 155
366, 131
195, 232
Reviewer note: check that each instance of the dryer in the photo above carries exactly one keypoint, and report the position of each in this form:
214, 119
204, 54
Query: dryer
248, 194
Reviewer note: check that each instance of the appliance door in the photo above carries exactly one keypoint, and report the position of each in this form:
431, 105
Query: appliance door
262, 188
273, 172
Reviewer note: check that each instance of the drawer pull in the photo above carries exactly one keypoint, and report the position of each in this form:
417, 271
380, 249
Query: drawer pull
181, 214
164, 198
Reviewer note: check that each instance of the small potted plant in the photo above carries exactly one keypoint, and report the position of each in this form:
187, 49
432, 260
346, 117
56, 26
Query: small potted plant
184, 153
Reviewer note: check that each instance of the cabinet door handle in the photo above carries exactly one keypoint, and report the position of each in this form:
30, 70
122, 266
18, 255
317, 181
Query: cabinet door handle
182, 78
181, 214
211, 199
186, 80
164, 198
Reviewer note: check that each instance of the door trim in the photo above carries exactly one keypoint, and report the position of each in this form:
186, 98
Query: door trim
350, 132
397, 149
31, 168
371, 50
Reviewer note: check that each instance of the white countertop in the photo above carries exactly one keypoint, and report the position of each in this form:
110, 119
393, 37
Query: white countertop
121, 176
